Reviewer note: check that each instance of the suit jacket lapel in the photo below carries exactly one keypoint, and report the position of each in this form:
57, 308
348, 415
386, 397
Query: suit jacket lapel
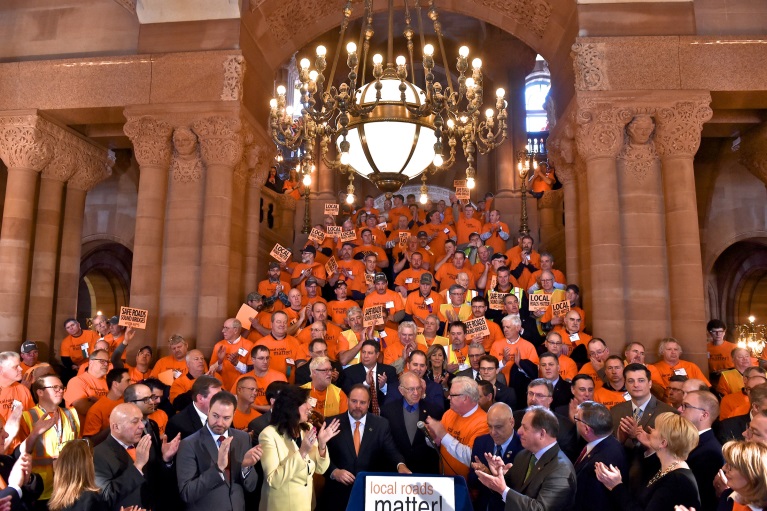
649, 412
209, 445
347, 435
540, 465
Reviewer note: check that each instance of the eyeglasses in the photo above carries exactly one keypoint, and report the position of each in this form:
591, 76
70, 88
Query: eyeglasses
578, 419
102, 360
146, 400
411, 390
537, 396
323, 370
597, 353
554, 343
685, 406
451, 396
56, 388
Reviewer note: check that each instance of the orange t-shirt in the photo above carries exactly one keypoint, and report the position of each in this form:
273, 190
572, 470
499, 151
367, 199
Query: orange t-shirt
97, 418
515, 257
72, 347
266, 288
168, 362
526, 350
394, 350
136, 375
241, 420
318, 271
465, 430
284, 352
180, 385
665, 372
15, 391
567, 368
321, 397
357, 270
559, 277
464, 228
261, 383
337, 310
609, 397
495, 241
416, 305
496, 334
85, 385
447, 274
410, 279
733, 405
589, 370
304, 337
571, 341
370, 249
391, 300
719, 357
161, 418
229, 372
437, 245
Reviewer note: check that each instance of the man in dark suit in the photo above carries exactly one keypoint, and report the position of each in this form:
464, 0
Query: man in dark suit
595, 425
474, 353
403, 415
502, 441
364, 443
733, 428
541, 477
549, 369
192, 418
216, 464
369, 371
539, 393
488, 371
129, 470
416, 364
702, 408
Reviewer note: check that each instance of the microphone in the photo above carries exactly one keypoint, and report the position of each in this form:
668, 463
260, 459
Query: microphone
422, 426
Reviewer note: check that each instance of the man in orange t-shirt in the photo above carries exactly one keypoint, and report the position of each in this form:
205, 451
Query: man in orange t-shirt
231, 355
523, 260
330, 332
352, 271
76, 347
571, 333
467, 224
274, 290
613, 391
308, 268
391, 300
495, 233
478, 310
196, 365
10, 388
719, 350
408, 280
450, 266
437, 233
329, 400
97, 419
263, 375
670, 352
284, 349
246, 395
513, 347
459, 427
85, 389
368, 247
567, 367
337, 308
423, 302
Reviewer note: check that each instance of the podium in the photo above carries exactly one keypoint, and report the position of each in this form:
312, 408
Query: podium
357, 497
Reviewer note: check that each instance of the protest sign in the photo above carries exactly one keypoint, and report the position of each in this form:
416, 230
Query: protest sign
134, 318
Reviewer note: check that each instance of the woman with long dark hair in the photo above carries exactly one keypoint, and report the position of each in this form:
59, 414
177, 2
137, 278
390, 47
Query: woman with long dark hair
293, 451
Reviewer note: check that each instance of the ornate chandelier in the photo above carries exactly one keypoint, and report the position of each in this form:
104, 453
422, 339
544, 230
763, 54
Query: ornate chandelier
388, 130
752, 337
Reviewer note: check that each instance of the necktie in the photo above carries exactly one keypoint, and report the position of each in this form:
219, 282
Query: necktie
498, 451
3, 484
131, 449
357, 437
219, 441
374, 409
530, 466
637, 414
581, 456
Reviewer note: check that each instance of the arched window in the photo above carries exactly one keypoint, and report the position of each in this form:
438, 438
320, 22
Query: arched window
537, 86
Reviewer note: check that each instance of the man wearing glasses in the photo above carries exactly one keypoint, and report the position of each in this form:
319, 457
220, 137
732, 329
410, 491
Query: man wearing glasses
85, 389
460, 426
702, 409
59, 426
328, 399
540, 392
403, 413
11, 391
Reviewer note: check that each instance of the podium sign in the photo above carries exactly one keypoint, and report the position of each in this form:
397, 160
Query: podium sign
394, 493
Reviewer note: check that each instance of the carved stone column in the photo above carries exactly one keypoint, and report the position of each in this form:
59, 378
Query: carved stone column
642, 223
561, 150
46, 247
152, 149
677, 140
550, 221
182, 240
93, 166
259, 170
599, 138
239, 194
26, 150
753, 152
221, 147
584, 235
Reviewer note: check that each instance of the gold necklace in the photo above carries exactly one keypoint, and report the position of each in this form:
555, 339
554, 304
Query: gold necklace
662, 473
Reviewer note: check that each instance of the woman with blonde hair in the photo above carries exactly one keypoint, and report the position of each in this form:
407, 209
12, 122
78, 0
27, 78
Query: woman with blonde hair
74, 481
746, 472
672, 440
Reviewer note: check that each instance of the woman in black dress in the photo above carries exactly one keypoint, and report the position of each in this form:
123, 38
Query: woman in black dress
672, 440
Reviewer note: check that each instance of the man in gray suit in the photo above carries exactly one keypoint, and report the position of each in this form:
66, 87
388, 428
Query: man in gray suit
215, 465
541, 477
641, 410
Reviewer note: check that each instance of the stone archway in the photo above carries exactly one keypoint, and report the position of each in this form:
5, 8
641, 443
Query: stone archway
105, 274
740, 282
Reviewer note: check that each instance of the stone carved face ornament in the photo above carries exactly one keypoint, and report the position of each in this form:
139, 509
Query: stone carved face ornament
640, 129
184, 141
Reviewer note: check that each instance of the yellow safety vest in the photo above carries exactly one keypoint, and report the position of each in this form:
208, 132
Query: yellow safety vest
50, 443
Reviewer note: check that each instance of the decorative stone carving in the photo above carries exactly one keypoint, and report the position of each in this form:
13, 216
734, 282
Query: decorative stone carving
532, 14
590, 66
62, 164
286, 201
234, 69
638, 152
23, 143
551, 199
294, 15
186, 166
93, 165
151, 140
680, 125
220, 140
753, 152
130, 5
258, 177
600, 133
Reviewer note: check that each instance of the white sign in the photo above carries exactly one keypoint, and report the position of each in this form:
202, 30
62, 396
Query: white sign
392, 493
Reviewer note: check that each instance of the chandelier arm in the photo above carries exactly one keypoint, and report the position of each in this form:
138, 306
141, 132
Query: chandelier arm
390, 42
344, 25
408, 32
438, 29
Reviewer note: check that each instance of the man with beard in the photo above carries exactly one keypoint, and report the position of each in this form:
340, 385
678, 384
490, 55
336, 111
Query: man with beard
273, 289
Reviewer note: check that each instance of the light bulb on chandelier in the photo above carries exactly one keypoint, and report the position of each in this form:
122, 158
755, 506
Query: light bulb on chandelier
470, 183
307, 180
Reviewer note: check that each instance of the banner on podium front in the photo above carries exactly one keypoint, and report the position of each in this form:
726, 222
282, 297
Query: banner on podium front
392, 493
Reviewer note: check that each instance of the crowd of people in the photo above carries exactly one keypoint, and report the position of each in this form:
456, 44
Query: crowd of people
421, 350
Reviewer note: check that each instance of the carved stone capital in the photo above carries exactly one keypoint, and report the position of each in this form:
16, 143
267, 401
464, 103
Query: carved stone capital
220, 140
679, 126
94, 165
551, 199
753, 152
258, 177
186, 165
151, 140
23, 143
590, 66
62, 164
234, 70
600, 128
531, 14
638, 156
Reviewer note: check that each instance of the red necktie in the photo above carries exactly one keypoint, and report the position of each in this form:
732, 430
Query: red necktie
374, 409
581, 456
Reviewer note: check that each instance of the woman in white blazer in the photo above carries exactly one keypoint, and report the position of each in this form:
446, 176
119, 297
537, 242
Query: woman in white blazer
293, 451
